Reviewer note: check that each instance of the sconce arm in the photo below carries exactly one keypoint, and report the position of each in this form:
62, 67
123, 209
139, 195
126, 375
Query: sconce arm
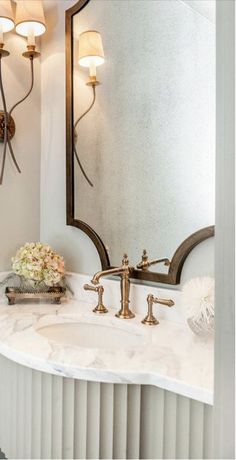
88, 110
75, 126
12, 154
31, 86
81, 167
5, 127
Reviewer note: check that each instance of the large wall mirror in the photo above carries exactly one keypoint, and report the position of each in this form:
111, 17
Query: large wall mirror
141, 144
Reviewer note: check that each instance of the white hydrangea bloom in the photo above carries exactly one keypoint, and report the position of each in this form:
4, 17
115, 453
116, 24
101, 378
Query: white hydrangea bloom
38, 262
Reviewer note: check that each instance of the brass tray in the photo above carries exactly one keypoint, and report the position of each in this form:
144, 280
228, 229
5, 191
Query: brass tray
54, 294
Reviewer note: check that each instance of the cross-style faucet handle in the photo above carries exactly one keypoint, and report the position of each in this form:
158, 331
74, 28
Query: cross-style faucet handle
100, 308
150, 319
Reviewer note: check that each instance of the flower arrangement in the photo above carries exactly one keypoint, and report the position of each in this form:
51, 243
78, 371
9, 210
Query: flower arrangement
39, 263
36, 268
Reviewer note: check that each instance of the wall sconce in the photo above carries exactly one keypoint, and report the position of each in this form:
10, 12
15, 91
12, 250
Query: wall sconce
29, 22
91, 55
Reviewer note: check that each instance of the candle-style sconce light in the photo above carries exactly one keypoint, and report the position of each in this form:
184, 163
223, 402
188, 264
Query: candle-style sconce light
91, 55
29, 21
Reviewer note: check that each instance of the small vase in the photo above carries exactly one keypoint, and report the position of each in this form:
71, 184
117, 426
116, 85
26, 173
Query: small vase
201, 327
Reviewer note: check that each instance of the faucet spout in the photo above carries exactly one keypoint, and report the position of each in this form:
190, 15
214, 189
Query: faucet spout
124, 271
113, 271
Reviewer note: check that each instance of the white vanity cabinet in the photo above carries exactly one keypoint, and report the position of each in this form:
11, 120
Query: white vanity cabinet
48, 416
139, 392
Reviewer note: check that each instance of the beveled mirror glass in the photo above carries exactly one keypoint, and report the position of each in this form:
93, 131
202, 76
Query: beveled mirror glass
141, 145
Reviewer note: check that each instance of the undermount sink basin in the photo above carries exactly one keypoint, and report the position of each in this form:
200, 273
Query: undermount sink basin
90, 335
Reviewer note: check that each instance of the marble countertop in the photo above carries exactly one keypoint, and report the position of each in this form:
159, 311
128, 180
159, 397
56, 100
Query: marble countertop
170, 356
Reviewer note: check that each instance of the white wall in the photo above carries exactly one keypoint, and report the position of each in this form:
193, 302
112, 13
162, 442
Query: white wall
79, 252
19, 194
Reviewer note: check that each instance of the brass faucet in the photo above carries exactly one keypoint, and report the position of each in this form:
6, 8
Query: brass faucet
124, 271
146, 263
150, 318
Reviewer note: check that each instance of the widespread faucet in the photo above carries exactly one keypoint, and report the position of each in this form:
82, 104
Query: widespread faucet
124, 271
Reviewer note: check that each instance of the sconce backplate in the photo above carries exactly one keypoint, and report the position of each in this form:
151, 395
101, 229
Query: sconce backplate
11, 126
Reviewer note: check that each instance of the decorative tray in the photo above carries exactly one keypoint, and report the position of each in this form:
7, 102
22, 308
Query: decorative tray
54, 294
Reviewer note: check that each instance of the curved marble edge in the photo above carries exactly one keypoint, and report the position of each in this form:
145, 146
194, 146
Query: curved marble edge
176, 360
107, 376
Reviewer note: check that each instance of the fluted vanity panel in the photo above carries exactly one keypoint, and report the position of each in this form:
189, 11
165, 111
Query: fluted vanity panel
48, 416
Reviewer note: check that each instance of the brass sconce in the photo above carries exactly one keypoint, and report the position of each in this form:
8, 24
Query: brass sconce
29, 21
91, 55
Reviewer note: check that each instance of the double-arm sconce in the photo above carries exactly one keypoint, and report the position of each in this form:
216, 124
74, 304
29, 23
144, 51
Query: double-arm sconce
28, 21
91, 55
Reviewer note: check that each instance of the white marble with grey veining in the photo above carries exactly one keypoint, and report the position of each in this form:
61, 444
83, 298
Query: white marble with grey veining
169, 356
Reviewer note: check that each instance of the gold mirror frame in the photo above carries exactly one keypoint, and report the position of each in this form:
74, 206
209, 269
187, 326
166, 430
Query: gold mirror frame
173, 276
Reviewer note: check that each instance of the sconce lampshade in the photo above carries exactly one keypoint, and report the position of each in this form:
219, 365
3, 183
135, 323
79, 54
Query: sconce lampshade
30, 17
90, 49
6, 16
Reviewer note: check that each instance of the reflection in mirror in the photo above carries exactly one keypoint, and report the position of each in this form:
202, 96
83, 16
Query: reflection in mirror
143, 138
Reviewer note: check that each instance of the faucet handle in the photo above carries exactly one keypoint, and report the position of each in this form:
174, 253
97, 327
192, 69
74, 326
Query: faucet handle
146, 263
88, 287
150, 319
100, 308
